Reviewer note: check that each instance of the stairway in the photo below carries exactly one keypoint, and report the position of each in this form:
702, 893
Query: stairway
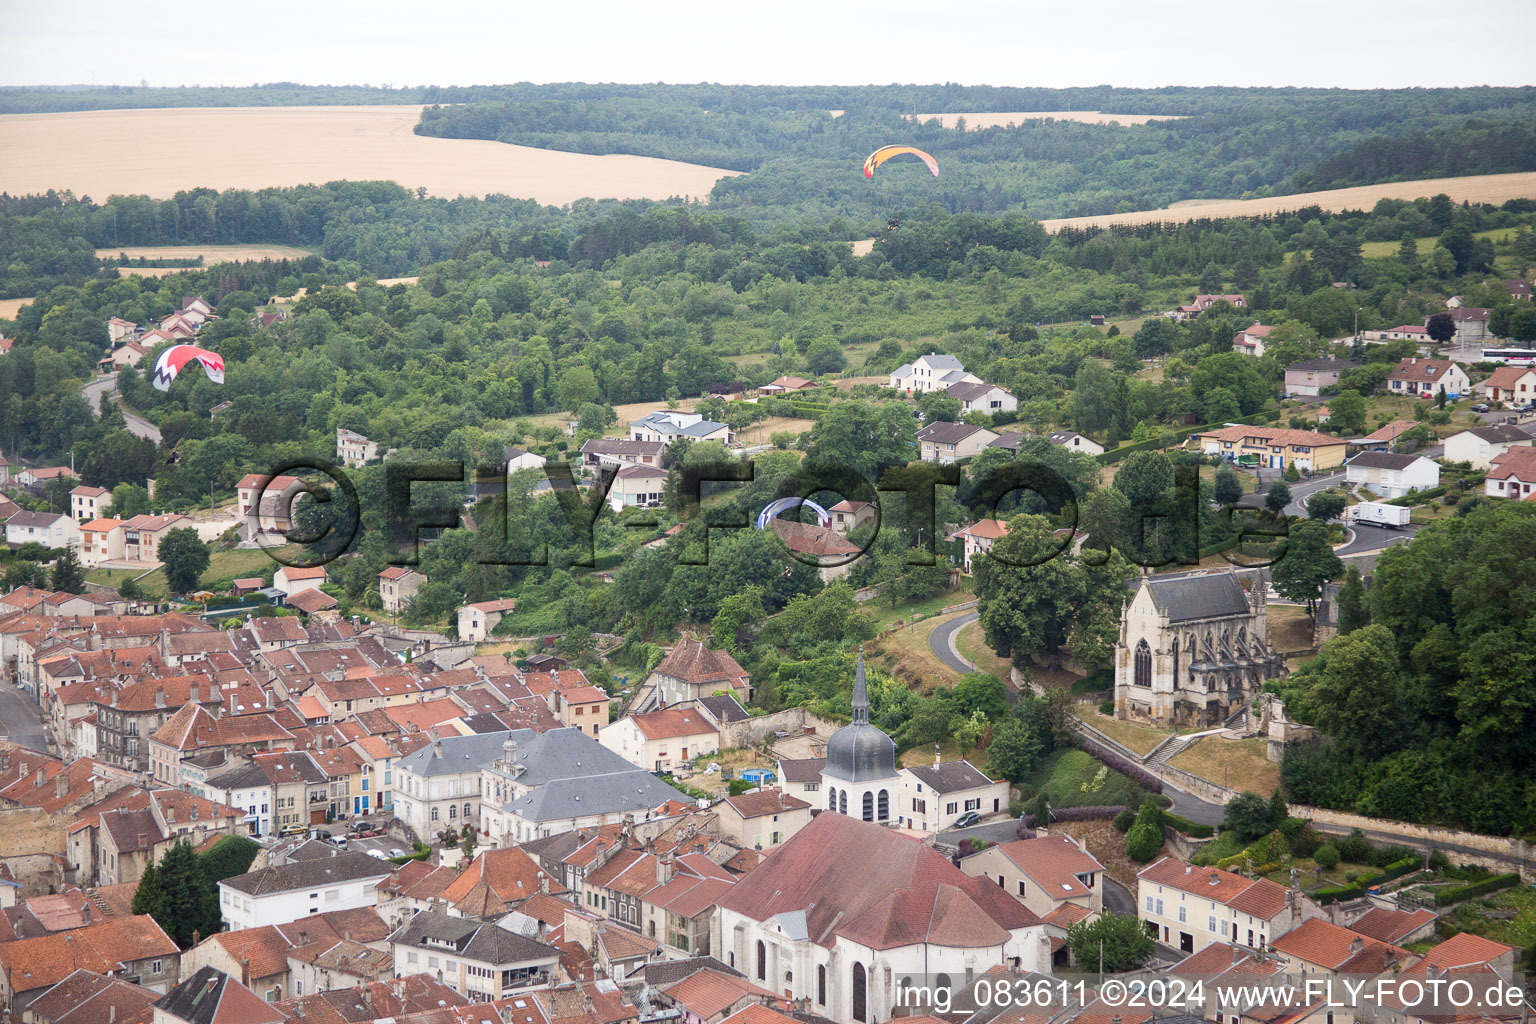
98, 902
1166, 749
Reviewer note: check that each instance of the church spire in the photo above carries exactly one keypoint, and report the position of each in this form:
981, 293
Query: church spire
860, 693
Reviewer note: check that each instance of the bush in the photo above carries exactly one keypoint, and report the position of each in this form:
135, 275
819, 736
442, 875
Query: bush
1307, 842
1107, 708
1143, 842
1292, 829
1249, 815
1327, 856
1124, 820
1438, 861
1187, 827
1446, 897
1355, 847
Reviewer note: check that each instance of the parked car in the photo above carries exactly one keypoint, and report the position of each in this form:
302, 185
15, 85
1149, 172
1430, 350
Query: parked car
1480, 407
966, 820
377, 855
397, 852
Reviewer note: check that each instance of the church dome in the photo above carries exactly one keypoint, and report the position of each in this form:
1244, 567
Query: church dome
860, 752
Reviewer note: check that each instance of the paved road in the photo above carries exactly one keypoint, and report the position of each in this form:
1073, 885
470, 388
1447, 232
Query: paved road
18, 716
942, 642
1118, 899
137, 425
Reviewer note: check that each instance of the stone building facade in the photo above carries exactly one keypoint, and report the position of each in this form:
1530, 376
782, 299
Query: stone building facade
1193, 649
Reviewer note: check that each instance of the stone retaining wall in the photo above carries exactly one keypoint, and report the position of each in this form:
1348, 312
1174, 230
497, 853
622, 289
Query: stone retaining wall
1494, 852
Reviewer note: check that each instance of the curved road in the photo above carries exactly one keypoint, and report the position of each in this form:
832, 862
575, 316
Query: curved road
18, 716
942, 642
107, 385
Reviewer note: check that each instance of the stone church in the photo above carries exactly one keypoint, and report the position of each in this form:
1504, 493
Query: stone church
860, 778
1193, 649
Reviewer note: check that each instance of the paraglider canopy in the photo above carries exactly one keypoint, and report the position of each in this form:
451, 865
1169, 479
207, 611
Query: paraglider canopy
773, 508
173, 359
884, 153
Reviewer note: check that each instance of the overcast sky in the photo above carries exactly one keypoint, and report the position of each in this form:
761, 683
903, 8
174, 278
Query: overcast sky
1347, 43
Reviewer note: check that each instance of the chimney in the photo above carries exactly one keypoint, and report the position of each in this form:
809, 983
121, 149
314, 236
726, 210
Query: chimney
938, 755
1356, 944
159, 697
665, 868
1237, 954
1215, 878
85, 911
143, 840
1189, 869
192, 694
543, 883
61, 785
112, 1014
245, 971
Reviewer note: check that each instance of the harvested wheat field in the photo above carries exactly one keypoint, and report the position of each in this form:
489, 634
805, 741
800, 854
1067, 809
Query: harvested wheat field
9, 307
210, 254
1479, 188
863, 246
989, 120
262, 147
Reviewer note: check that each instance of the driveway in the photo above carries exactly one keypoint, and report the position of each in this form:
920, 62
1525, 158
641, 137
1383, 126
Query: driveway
942, 642
107, 385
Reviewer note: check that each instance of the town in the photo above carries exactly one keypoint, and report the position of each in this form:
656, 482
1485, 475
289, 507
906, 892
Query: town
841, 601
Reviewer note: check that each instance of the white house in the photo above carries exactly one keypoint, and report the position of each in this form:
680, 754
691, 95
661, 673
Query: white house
319, 879
518, 459
982, 397
979, 538
1250, 342
477, 620
248, 788
1514, 385
1481, 445
662, 740
667, 425
1190, 907
1045, 874
1075, 442
353, 449
484, 960
1424, 378
438, 785
1512, 474
1390, 475
46, 528
556, 781
637, 486
934, 795
101, 540
949, 442
87, 503
933, 372
292, 579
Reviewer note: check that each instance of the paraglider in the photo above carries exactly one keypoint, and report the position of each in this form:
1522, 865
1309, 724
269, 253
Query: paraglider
884, 153
173, 359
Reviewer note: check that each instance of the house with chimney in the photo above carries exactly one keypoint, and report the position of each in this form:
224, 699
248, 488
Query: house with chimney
1425, 378
194, 730
126, 718
397, 585
112, 841
1318, 946
555, 781
134, 949
932, 796
323, 880
663, 740
1053, 875
691, 670
86, 503
353, 449
482, 960
1205, 302
763, 819
1188, 907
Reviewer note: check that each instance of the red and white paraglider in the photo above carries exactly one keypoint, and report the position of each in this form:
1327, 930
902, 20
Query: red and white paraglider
175, 358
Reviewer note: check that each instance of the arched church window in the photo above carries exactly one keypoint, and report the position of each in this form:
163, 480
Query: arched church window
1143, 664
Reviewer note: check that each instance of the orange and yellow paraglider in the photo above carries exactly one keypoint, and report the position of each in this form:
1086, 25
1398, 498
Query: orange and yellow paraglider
884, 153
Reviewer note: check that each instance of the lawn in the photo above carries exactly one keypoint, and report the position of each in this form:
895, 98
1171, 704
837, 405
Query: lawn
1073, 778
949, 750
887, 615
905, 652
972, 645
223, 566
1290, 627
1135, 737
1236, 764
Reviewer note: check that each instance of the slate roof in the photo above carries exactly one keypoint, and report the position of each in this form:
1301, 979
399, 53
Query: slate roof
951, 776
802, 769
1383, 460
692, 662
458, 754
212, 997
724, 708
474, 940
1197, 596
948, 433
307, 874
1499, 433
615, 793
